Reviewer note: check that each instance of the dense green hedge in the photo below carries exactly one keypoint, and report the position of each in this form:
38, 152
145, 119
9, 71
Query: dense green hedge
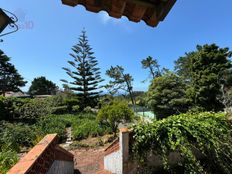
32, 109
209, 133
27, 109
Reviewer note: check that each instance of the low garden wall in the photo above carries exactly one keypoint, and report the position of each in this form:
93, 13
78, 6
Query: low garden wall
118, 156
46, 157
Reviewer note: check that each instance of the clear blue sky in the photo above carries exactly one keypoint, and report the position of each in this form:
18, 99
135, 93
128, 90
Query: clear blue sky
49, 29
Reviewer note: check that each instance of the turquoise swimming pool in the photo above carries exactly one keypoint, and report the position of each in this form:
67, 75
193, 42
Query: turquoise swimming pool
149, 114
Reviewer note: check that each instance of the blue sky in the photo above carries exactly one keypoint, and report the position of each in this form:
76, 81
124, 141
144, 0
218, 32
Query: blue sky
49, 29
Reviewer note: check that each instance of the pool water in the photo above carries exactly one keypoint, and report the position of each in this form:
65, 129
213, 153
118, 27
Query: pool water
149, 114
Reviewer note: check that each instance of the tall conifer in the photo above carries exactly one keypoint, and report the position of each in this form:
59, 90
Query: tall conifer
10, 79
84, 73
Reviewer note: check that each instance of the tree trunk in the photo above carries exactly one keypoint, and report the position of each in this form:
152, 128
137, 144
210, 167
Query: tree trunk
129, 89
152, 73
159, 72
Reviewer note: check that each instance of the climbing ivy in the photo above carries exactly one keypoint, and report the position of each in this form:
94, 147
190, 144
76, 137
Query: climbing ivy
207, 133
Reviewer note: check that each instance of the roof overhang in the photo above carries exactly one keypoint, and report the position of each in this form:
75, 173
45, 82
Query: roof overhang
150, 11
4, 20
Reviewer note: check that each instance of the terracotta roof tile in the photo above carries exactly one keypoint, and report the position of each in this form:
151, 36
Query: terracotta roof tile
150, 11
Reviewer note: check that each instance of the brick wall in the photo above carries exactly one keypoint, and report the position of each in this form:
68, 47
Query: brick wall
46, 155
112, 148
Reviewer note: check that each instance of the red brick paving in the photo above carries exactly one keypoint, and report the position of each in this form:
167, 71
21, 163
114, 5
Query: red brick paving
89, 161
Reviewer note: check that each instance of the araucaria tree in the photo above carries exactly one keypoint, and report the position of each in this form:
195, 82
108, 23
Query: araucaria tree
10, 79
84, 73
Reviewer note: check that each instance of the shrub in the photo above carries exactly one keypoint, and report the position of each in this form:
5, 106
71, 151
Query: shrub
61, 99
7, 107
18, 135
63, 103
112, 115
8, 158
75, 108
57, 100
16, 108
85, 128
87, 109
2, 109
70, 102
83, 125
106, 100
68, 119
52, 124
208, 133
60, 110
87, 115
33, 109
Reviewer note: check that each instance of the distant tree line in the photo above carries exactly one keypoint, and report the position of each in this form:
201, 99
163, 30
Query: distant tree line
12, 81
201, 80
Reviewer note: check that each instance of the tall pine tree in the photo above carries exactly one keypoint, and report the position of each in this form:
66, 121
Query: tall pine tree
10, 79
84, 73
152, 65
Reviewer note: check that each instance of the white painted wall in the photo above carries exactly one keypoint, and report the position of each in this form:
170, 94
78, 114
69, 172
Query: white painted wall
61, 167
113, 162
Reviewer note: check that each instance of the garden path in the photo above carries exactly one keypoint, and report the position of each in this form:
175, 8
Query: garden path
87, 161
